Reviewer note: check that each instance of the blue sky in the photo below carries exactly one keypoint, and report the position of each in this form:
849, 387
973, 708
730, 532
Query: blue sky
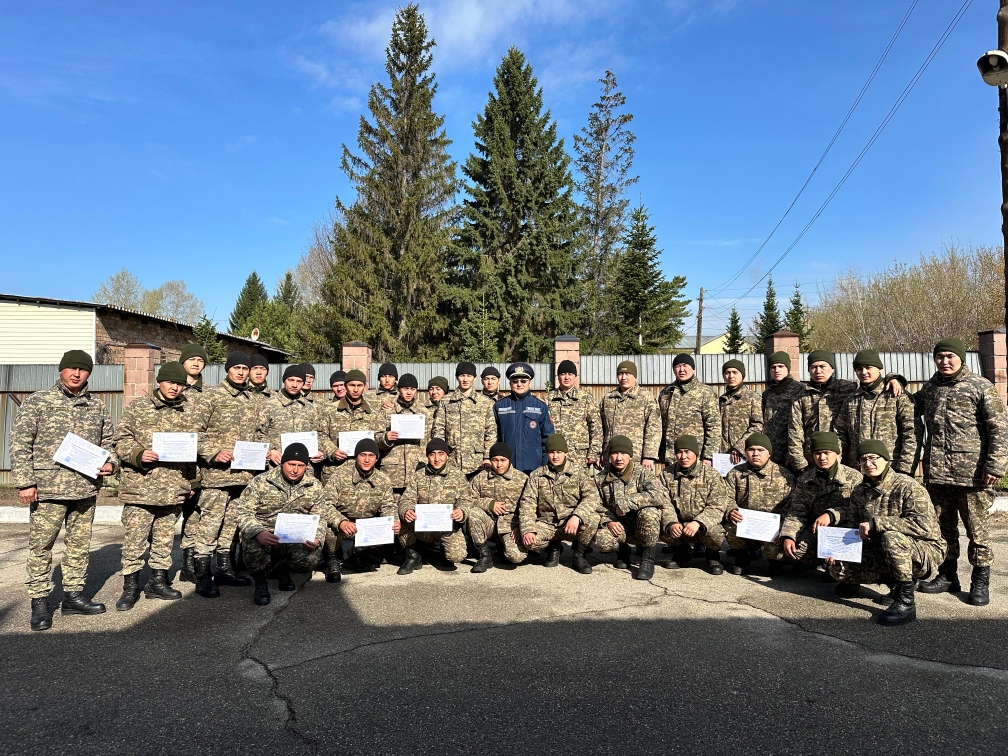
203, 140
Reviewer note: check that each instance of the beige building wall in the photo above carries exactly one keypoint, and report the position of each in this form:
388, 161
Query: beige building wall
40, 333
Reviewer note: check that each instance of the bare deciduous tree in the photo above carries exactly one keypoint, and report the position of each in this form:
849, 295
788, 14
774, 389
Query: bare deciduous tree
169, 300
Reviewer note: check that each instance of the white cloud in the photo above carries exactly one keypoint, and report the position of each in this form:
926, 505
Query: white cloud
279, 221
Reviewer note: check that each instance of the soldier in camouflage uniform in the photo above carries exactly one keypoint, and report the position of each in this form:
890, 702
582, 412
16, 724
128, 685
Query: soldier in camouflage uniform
496, 492
56, 493
353, 492
351, 413
284, 489
965, 455
152, 491
437, 387
560, 502
465, 420
490, 378
874, 412
781, 392
633, 501
631, 411
689, 407
258, 372
309, 370
337, 382
698, 502
741, 411
289, 412
902, 541
402, 456
437, 482
575, 414
761, 485
193, 358
384, 397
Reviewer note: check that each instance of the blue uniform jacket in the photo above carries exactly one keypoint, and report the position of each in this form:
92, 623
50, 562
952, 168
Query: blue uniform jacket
523, 424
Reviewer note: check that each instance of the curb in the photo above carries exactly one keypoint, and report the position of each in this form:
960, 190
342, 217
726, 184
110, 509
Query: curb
104, 515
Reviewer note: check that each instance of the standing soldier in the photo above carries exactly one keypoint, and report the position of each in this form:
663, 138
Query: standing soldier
351, 413
689, 407
437, 387
289, 412
781, 392
337, 382
404, 455
490, 378
576, 416
496, 492
309, 381
741, 412
57, 494
258, 373
522, 420
385, 396
965, 455
465, 421
631, 411
193, 358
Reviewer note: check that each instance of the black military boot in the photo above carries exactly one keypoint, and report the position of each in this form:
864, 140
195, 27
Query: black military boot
225, 574
75, 603
412, 562
622, 557
188, 572
979, 594
282, 574
333, 569
260, 596
485, 561
130, 594
553, 552
947, 580
847, 590
579, 562
741, 561
902, 609
205, 585
40, 617
159, 587
646, 569
714, 562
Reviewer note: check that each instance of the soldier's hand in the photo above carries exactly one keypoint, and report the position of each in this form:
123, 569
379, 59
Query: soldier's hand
790, 548
320, 457
391, 435
649, 464
708, 463
28, 495
348, 528
736, 457
339, 455
896, 387
457, 515
572, 525
591, 463
864, 530
499, 508
274, 456
267, 539
485, 465
822, 521
690, 529
410, 515
224, 456
990, 480
615, 528
829, 561
312, 545
676, 530
529, 540
396, 527
149, 456
105, 470
735, 516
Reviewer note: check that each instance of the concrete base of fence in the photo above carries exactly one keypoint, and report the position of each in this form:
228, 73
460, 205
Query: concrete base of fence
104, 515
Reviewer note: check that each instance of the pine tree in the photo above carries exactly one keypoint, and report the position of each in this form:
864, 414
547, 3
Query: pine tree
514, 284
796, 319
204, 333
253, 294
734, 340
768, 322
287, 292
604, 156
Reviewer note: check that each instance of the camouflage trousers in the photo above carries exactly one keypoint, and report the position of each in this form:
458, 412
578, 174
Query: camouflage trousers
641, 527
218, 520
47, 518
142, 523
891, 556
973, 506
294, 555
453, 544
550, 532
506, 525
190, 520
806, 547
483, 525
712, 538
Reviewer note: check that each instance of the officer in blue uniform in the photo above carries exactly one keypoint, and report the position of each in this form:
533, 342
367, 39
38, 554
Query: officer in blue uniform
523, 421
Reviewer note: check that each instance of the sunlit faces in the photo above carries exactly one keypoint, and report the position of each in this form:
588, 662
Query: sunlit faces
355, 390
257, 374
74, 378
733, 378
170, 390
500, 465
820, 372
366, 461
626, 381
824, 458
757, 456
686, 458
948, 363
437, 459
619, 461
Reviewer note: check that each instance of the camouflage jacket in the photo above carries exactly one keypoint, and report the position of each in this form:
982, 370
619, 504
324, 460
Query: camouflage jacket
270, 494
576, 415
444, 486
341, 416
815, 410
44, 420
194, 391
262, 395
814, 495
741, 416
966, 429
636, 489
225, 414
895, 504
767, 489
877, 414
777, 404
692, 408
489, 487
553, 497
286, 415
466, 422
156, 483
495, 397
697, 494
380, 397
404, 456
351, 496
634, 414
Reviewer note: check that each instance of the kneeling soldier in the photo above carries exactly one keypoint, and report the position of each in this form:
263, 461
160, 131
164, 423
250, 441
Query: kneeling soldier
698, 502
902, 540
152, 492
435, 483
560, 503
632, 504
496, 492
284, 489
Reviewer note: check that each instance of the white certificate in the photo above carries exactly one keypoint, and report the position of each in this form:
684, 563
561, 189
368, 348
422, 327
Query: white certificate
348, 440
373, 531
434, 518
249, 455
308, 438
174, 447
81, 455
296, 528
758, 526
722, 463
843, 544
409, 426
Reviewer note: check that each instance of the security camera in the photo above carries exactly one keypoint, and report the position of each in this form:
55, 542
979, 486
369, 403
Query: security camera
993, 67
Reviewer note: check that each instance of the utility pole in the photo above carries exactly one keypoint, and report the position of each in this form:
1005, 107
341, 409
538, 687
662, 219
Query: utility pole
1002, 22
699, 312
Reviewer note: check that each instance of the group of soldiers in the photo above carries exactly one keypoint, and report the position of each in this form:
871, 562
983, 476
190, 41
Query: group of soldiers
523, 473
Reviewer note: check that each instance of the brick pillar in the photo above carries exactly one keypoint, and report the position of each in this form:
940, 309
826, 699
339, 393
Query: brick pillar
994, 360
357, 355
786, 341
139, 369
566, 348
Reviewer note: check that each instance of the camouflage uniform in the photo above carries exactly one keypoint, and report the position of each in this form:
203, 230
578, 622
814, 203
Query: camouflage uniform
263, 394
576, 415
489, 487
767, 489
401, 458
465, 420
342, 416
258, 506
152, 493
877, 414
690, 407
551, 498
44, 420
967, 437
632, 413
778, 401
352, 496
636, 499
444, 486
741, 416
815, 410
379, 397
495, 397
193, 393
905, 543
697, 494
815, 494
286, 415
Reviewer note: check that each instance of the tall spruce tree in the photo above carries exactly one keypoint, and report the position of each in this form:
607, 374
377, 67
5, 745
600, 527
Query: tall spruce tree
767, 322
515, 286
734, 339
287, 293
204, 333
390, 245
252, 295
796, 318
604, 156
